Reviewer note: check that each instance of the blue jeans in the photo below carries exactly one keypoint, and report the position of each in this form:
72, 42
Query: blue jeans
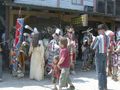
0, 65
101, 60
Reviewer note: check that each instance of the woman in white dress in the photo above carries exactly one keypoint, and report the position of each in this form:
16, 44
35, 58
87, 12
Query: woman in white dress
37, 59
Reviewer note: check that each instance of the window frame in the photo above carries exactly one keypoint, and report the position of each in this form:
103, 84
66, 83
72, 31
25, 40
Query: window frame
76, 3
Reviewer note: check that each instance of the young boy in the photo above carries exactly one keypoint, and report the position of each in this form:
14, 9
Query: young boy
55, 71
64, 65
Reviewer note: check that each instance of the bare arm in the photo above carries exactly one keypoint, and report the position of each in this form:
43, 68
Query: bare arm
50, 72
117, 49
60, 62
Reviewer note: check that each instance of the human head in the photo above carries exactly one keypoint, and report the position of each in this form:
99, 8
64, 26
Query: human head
56, 59
70, 32
63, 42
102, 28
55, 36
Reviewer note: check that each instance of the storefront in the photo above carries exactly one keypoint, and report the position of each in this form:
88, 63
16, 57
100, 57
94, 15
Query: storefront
41, 17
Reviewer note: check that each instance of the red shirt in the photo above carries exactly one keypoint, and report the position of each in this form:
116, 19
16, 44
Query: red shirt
64, 53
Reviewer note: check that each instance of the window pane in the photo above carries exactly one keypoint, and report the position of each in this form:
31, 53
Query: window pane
117, 7
110, 6
101, 6
76, 1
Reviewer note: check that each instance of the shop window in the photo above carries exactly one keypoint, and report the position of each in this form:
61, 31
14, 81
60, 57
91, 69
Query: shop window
110, 6
101, 6
77, 2
88, 8
117, 7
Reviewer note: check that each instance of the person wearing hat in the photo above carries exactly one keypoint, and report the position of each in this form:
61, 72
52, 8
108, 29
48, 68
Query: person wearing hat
100, 45
116, 58
110, 34
36, 51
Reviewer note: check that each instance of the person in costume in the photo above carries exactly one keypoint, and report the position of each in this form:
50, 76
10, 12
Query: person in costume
111, 49
53, 49
37, 57
116, 58
101, 45
23, 55
72, 45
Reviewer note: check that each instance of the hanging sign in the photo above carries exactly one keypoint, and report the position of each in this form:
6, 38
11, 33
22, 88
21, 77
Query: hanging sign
81, 20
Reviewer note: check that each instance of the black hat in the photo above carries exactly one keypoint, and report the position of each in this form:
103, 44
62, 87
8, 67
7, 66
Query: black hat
102, 26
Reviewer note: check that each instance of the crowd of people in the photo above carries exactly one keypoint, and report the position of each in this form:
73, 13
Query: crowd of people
56, 56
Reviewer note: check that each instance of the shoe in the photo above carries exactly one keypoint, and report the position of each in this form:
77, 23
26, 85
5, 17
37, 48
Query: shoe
1, 80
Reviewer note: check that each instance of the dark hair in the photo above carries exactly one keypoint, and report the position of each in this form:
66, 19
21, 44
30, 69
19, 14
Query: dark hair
56, 57
68, 27
102, 26
63, 41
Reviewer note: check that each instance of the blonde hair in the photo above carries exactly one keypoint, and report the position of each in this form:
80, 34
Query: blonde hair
63, 41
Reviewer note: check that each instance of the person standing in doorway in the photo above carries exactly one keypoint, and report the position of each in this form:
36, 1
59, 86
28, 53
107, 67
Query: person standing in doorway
100, 45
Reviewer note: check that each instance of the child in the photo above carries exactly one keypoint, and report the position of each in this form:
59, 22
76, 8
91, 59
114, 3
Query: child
0, 64
64, 65
55, 71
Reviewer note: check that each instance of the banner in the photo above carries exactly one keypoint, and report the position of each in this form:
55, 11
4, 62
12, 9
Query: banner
19, 32
81, 20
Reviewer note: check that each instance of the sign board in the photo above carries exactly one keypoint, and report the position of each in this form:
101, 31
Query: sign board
81, 20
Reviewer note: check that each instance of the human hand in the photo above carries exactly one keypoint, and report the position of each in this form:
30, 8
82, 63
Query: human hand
50, 72
59, 66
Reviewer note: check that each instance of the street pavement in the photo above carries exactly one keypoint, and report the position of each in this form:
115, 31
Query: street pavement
82, 81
